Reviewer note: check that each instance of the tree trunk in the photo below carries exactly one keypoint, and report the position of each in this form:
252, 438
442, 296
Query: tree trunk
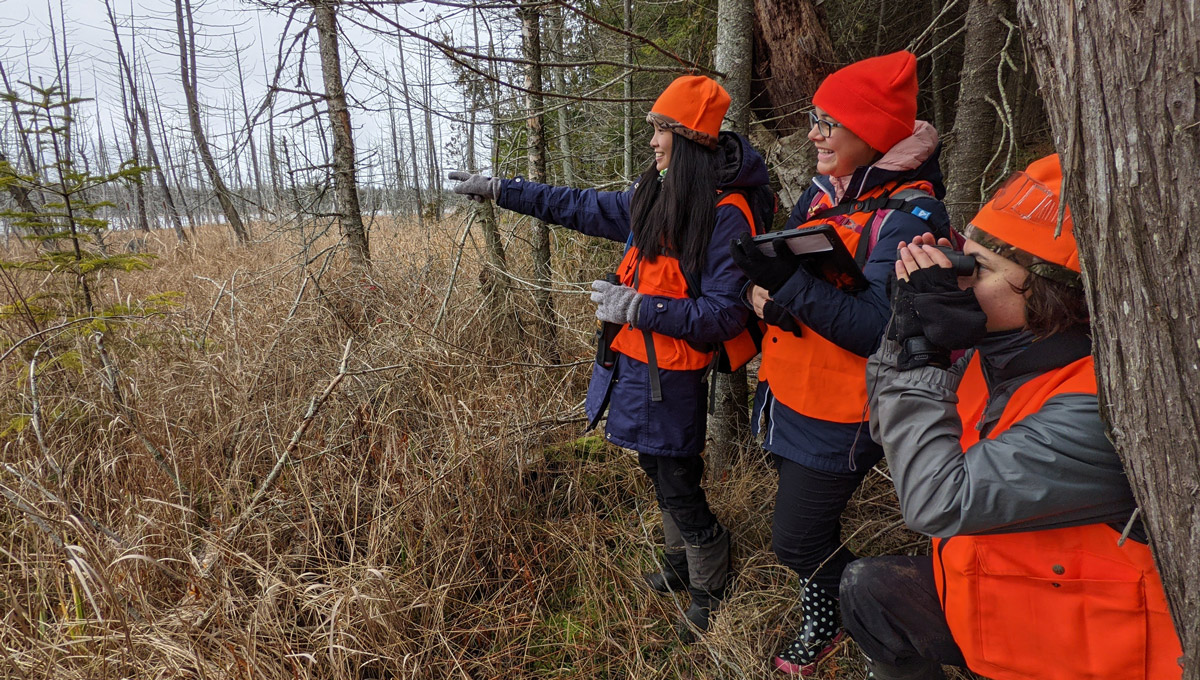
531, 37
793, 53
627, 90
734, 57
560, 87
345, 184
970, 146
1120, 88
729, 428
412, 136
187, 68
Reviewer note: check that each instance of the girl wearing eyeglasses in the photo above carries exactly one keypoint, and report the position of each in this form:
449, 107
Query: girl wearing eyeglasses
878, 184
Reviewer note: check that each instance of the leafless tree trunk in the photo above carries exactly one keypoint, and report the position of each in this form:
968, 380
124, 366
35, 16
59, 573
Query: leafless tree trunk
734, 57
346, 186
971, 146
139, 190
412, 137
1120, 88
532, 40
729, 428
555, 19
627, 90
249, 123
187, 69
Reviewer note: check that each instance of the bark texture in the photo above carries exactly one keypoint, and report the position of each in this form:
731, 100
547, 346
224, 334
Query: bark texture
729, 428
734, 57
792, 54
1120, 83
970, 145
345, 183
536, 128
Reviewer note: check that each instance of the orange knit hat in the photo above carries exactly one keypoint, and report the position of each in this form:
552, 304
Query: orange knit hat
1019, 223
692, 106
875, 98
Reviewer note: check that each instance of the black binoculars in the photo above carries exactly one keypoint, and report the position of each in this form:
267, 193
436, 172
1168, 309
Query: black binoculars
961, 263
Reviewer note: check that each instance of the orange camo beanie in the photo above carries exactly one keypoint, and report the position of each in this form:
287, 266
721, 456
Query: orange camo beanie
875, 98
1019, 222
692, 106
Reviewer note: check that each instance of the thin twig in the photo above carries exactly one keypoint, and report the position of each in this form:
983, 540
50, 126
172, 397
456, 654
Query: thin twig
462, 242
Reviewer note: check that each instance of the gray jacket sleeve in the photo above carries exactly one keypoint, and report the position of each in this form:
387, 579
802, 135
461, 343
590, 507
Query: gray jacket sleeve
1054, 468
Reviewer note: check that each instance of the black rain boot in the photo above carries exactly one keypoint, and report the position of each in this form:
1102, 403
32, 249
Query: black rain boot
708, 566
820, 635
673, 576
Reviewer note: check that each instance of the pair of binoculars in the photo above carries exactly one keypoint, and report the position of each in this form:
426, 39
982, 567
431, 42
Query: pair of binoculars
961, 263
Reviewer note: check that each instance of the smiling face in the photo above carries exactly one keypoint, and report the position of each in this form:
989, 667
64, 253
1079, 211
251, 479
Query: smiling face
840, 152
661, 143
997, 282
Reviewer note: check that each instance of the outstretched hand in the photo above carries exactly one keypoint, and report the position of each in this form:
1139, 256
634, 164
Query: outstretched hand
478, 188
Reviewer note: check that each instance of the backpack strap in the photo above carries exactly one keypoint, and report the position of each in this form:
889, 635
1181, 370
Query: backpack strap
904, 200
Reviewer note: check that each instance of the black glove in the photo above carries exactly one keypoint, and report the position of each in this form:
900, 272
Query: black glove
478, 188
931, 316
765, 271
779, 317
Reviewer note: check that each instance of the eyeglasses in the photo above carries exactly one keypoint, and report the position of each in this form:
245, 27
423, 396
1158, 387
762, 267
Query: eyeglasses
825, 127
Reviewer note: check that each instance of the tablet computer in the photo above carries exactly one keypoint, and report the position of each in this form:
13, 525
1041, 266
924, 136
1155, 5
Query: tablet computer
821, 252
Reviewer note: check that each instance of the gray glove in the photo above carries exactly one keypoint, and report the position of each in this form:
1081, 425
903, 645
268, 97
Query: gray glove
616, 303
478, 188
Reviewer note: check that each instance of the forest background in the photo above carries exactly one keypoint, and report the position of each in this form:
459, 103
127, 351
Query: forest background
276, 404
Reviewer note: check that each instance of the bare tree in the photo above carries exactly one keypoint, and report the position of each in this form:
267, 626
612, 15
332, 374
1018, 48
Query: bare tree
185, 28
1119, 83
535, 126
412, 137
729, 428
971, 148
345, 183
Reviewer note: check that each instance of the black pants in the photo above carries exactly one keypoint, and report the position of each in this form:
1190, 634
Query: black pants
806, 532
891, 608
678, 491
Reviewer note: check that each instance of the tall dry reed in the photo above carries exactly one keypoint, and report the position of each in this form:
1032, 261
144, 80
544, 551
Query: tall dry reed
440, 514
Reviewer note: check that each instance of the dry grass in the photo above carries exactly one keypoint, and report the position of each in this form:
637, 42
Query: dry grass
440, 518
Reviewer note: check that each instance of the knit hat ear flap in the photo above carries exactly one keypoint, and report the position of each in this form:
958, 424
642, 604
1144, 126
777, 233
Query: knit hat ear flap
875, 98
692, 106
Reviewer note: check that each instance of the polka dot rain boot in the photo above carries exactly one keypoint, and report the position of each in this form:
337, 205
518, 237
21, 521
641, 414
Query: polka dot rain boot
817, 640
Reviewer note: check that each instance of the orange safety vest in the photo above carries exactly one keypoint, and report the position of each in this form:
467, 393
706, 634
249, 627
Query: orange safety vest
809, 374
664, 276
1056, 604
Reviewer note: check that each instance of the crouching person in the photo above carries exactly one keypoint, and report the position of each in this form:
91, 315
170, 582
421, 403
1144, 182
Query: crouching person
1039, 567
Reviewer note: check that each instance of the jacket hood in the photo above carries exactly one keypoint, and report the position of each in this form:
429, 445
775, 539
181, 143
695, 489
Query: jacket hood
913, 158
740, 166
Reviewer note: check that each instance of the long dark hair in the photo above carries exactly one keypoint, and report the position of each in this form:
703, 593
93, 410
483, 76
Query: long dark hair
676, 216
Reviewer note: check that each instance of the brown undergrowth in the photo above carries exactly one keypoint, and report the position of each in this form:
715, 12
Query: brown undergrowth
441, 516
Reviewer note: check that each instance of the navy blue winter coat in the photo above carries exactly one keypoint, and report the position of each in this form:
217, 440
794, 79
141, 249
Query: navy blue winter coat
853, 322
676, 425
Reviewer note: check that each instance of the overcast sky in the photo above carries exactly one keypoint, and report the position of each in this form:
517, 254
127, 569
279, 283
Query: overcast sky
26, 51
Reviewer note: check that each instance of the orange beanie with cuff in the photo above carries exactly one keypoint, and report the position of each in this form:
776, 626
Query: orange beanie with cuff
1024, 215
695, 103
875, 98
